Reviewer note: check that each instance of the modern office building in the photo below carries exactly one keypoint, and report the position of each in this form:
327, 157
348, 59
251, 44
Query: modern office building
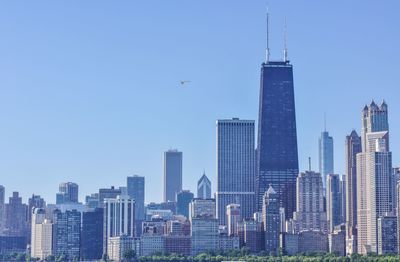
202, 207
119, 218
271, 220
68, 193
333, 201
353, 147
67, 234
387, 235
92, 234
251, 235
310, 214
92, 200
233, 215
277, 156
325, 156
204, 234
374, 176
136, 190
337, 240
184, 198
42, 235
172, 174
235, 167
204, 187
178, 244
110, 193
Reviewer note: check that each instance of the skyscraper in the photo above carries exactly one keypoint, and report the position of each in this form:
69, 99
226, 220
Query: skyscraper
277, 156
2, 208
68, 193
119, 218
16, 217
235, 167
172, 174
183, 200
204, 187
271, 220
325, 156
310, 214
136, 191
108, 193
353, 147
333, 201
374, 175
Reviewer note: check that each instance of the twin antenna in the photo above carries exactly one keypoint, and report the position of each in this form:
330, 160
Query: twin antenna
285, 50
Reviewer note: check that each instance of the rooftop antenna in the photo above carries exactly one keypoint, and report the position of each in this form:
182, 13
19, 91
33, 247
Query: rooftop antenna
309, 163
267, 51
285, 50
324, 121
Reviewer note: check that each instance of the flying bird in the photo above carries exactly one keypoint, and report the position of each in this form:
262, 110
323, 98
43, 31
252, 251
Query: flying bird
185, 82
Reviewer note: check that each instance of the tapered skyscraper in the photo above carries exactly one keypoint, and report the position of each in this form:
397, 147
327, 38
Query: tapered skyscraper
277, 159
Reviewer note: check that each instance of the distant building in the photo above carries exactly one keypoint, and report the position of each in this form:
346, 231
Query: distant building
252, 235
42, 235
33, 202
119, 218
204, 187
235, 167
325, 156
16, 222
172, 174
337, 240
108, 193
178, 244
2, 208
304, 242
68, 193
183, 199
118, 246
92, 201
151, 244
271, 220
92, 232
202, 207
67, 234
233, 218
333, 201
310, 214
387, 235
228, 243
12, 244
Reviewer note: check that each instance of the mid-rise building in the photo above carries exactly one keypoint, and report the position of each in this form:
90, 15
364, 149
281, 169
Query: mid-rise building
387, 235
119, 246
183, 200
42, 235
235, 167
204, 234
178, 244
333, 201
172, 174
337, 240
92, 234
251, 234
233, 218
204, 187
271, 220
67, 234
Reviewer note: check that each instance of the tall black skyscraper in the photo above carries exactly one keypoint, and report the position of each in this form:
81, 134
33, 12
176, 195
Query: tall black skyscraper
277, 157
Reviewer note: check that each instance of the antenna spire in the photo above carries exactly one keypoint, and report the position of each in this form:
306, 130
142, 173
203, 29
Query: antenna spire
267, 53
309, 163
285, 50
325, 121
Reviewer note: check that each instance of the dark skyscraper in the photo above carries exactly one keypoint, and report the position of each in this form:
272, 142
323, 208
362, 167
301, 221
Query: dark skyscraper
183, 200
92, 232
172, 174
277, 159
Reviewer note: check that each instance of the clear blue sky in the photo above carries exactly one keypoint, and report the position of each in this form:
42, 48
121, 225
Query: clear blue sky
90, 93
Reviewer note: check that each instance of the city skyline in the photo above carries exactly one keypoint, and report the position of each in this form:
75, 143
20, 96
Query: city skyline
49, 136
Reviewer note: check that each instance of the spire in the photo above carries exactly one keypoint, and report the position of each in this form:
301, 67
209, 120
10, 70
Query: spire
267, 50
325, 122
285, 50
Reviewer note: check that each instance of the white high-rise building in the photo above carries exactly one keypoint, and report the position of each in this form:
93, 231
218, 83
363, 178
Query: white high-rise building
374, 176
233, 218
119, 218
42, 235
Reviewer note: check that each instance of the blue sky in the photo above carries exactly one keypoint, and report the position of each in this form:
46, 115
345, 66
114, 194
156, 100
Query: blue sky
90, 93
